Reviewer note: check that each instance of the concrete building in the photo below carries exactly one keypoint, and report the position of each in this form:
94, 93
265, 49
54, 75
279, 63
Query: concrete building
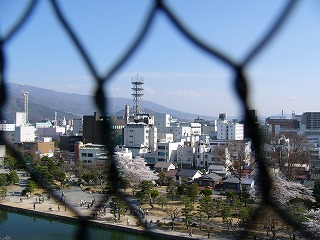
24, 133
77, 126
67, 142
162, 122
311, 120
54, 132
7, 130
167, 151
277, 122
122, 152
179, 132
93, 153
39, 149
227, 130
140, 138
185, 156
21, 119
93, 129
2, 154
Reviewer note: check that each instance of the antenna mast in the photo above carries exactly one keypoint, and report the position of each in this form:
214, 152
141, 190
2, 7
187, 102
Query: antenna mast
26, 104
137, 82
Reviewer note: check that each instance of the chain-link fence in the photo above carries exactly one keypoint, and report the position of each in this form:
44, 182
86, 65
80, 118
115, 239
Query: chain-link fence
240, 84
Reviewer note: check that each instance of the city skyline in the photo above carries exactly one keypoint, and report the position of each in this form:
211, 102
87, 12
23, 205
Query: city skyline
176, 74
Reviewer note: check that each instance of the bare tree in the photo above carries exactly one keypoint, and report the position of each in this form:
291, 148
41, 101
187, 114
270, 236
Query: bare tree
173, 213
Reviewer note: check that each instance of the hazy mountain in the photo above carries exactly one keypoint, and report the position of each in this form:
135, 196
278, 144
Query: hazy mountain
43, 103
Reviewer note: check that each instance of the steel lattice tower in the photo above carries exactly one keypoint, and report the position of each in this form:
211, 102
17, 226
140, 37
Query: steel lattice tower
26, 104
137, 82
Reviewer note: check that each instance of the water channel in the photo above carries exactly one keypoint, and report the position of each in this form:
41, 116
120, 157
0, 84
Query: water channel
19, 227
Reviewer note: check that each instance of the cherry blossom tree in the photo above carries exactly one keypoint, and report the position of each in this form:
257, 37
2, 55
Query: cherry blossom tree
284, 191
135, 171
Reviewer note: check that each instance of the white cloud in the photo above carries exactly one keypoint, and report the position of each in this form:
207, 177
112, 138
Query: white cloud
149, 91
190, 93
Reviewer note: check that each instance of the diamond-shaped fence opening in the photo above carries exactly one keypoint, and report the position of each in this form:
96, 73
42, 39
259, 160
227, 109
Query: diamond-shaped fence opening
268, 212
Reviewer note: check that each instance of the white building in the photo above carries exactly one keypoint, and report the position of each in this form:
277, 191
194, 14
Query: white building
185, 156
140, 138
24, 133
2, 154
7, 129
167, 151
122, 152
230, 130
92, 153
179, 132
162, 122
21, 119
195, 129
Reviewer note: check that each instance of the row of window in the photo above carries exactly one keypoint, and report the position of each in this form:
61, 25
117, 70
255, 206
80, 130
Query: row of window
86, 154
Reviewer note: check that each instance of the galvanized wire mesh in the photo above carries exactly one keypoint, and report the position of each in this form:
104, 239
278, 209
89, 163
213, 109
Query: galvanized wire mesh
240, 85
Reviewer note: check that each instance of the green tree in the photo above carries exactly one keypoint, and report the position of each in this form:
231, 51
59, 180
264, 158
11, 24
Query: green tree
3, 179
146, 186
192, 191
3, 193
30, 186
206, 192
162, 180
225, 211
87, 177
9, 161
162, 201
171, 189
207, 206
117, 208
246, 213
154, 193
13, 177
187, 211
124, 184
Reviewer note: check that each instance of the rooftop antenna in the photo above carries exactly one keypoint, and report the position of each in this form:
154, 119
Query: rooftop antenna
137, 82
26, 104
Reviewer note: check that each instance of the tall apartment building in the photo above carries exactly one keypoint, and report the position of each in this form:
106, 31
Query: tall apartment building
93, 129
311, 120
77, 126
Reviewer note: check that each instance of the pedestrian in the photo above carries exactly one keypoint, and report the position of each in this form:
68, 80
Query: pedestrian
128, 221
34, 205
190, 232
208, 234
58, 208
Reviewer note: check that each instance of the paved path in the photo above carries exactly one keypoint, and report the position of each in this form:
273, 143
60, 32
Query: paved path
73, 195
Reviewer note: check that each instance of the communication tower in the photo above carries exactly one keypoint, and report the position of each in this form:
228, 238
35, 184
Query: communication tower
137, 83
26, 104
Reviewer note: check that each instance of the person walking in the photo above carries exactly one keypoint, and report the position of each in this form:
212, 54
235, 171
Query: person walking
190, 232
34, 205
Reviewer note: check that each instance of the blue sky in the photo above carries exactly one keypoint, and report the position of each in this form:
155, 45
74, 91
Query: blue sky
285, 76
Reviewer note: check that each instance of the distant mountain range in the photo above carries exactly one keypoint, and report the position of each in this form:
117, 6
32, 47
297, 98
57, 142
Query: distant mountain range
43, 103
